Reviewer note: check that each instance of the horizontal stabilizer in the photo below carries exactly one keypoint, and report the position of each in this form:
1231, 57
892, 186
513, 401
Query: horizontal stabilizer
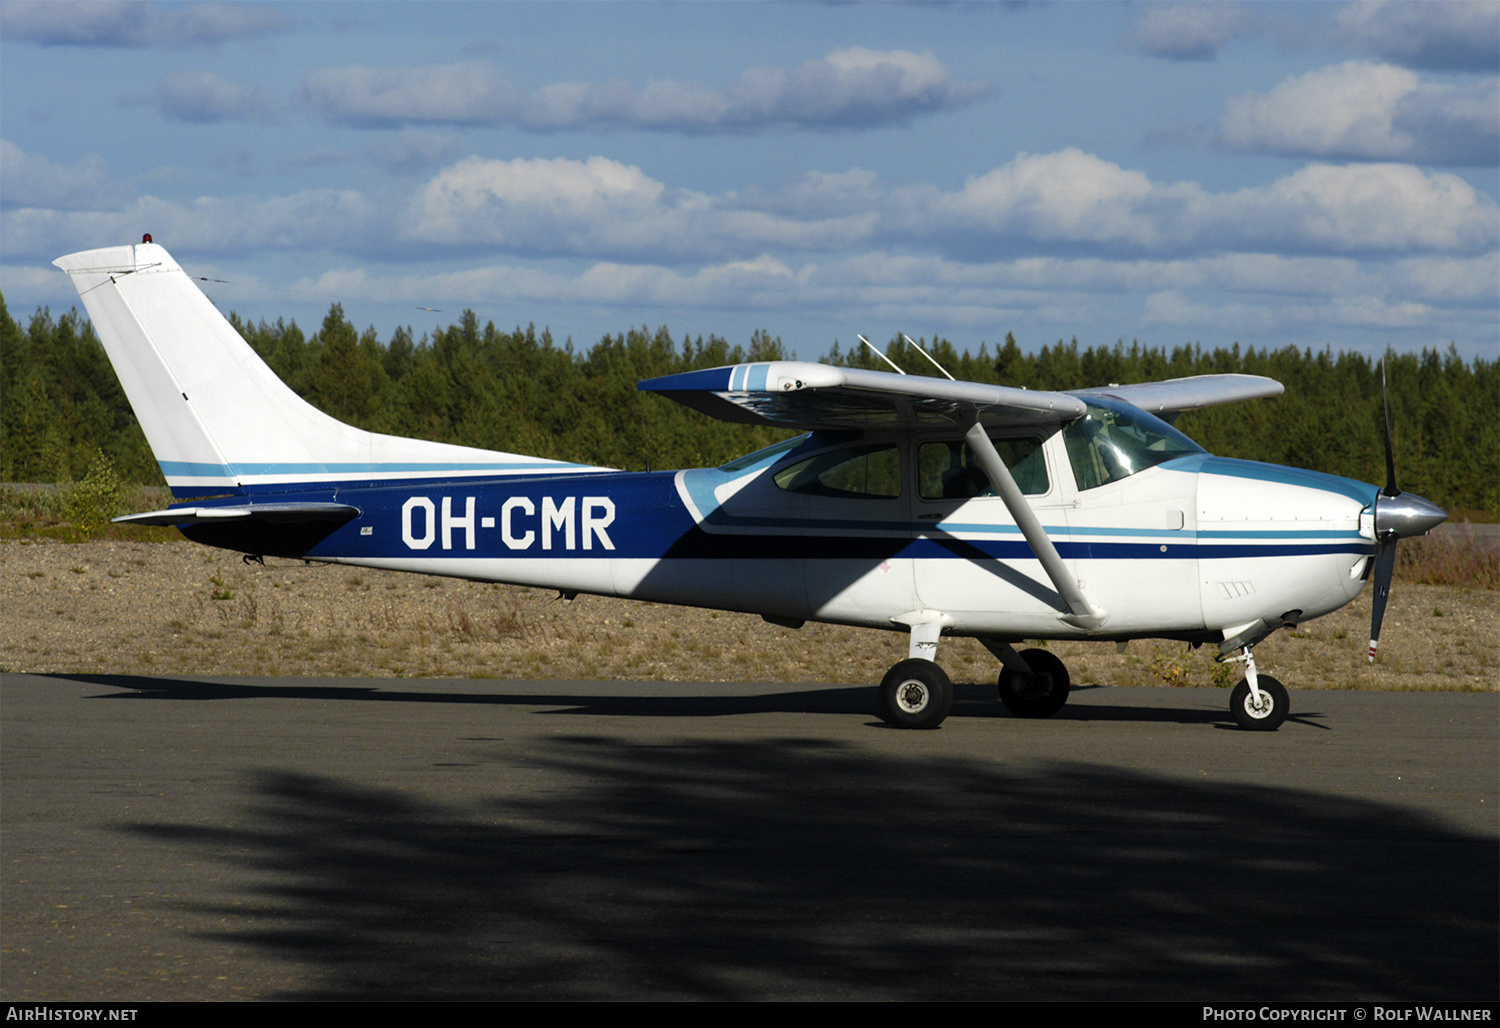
277, 513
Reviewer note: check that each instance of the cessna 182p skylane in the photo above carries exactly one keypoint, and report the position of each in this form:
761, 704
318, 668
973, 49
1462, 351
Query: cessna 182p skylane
927, 506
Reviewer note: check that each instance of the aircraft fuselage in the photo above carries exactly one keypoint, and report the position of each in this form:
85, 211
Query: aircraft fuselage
1181, 550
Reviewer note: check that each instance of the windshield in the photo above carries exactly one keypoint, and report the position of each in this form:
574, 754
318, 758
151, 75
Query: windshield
1114, 440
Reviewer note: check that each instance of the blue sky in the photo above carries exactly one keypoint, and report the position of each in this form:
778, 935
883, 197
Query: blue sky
1314, 174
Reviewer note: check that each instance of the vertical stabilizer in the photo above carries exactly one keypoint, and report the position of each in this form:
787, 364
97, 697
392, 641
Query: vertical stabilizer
217, 418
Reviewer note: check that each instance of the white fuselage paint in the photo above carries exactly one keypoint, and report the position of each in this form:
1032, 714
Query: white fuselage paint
1146, 529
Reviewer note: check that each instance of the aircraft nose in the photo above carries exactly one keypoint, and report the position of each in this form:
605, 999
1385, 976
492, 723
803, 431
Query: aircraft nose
1405, 515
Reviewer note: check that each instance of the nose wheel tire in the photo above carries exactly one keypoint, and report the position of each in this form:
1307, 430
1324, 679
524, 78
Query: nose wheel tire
1039, 694
1269, 713
915, 694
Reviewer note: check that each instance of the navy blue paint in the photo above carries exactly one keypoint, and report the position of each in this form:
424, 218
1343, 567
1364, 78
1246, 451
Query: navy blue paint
651, 522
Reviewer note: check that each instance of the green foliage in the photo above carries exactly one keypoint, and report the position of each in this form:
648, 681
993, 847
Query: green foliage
94, 500
60, 404
520, 391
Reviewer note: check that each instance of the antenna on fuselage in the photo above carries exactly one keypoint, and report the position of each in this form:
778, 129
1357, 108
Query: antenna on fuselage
924, 353
878, 353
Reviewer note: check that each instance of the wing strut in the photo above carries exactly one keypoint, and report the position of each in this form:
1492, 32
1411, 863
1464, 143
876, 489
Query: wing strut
1081, 612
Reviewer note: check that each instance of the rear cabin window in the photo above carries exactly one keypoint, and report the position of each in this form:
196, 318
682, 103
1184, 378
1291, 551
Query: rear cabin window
871, 471
949, 470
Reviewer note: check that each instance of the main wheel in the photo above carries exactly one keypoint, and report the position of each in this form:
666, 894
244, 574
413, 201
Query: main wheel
915, 694
1039, 694
1269, 713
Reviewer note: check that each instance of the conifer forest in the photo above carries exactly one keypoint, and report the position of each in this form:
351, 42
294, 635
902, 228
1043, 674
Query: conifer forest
521, 391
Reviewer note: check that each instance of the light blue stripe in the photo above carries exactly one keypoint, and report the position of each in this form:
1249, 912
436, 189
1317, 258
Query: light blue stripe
182, 467
1258, 472
757, 377
186, 468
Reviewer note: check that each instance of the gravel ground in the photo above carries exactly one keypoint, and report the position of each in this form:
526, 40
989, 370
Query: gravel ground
174, 608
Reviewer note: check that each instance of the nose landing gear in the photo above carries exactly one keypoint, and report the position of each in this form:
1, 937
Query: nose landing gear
1259, 703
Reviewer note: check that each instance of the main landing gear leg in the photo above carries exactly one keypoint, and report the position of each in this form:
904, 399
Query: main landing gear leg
1259, 703
916, 693
1033, 683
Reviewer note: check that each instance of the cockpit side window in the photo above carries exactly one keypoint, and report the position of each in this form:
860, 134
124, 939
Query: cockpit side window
948, 470
765, 454
869, 471
1115, 440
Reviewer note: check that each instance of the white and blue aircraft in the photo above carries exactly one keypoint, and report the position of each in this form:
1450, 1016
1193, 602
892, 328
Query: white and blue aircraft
913, 504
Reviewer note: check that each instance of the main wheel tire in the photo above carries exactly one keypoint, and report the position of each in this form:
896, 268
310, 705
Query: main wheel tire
1266, 716
915, 694
1039, 694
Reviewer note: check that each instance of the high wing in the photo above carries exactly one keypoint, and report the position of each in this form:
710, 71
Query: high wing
798, 394
1170, 398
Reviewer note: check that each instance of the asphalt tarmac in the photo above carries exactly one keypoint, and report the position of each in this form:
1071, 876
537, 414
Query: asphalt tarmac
236, 838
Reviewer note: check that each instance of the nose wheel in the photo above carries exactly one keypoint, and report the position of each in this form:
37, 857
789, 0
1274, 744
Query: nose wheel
1259, 703
1263, 710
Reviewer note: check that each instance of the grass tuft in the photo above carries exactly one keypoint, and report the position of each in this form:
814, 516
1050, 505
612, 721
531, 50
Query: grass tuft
1459, 557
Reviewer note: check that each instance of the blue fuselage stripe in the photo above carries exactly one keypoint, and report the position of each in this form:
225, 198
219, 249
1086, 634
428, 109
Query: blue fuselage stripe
621, 515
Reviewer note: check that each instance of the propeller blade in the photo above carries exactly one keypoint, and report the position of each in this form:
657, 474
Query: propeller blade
1391, 489
1396, 517
1385, 566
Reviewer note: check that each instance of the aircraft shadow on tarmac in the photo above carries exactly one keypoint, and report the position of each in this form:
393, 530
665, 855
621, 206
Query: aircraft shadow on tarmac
970, 699
790, 869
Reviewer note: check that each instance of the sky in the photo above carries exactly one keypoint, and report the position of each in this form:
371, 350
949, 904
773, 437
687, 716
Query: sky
1321, 175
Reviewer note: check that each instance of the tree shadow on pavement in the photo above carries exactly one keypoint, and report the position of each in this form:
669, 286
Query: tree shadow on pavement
795, 869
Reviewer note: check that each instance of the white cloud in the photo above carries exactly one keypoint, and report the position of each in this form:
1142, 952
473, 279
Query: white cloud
817, 194
1438, 35
1364, 111
851, 88
1067, 196
601, 207
198, 96
30, 180
1457, 125
308, 220
1187, 32
107, 23
1449, 280
1044, 242
1173, 308
536, 205
1035, 206
413, 151
1363, 207
1037, 202
473, 94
